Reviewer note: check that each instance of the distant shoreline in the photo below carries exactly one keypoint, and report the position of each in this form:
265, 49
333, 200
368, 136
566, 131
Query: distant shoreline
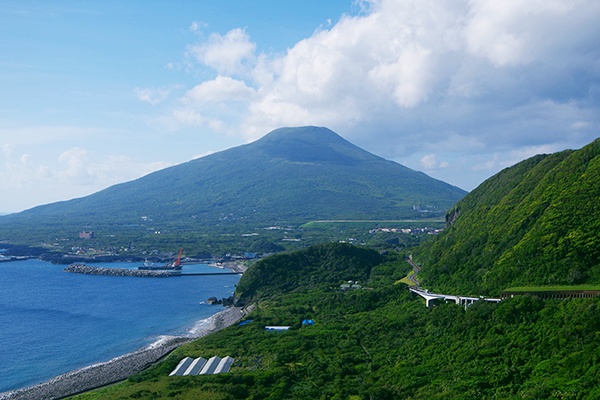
120, 368
26, 252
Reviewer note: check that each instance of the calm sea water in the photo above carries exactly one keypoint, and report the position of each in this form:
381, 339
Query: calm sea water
53, 322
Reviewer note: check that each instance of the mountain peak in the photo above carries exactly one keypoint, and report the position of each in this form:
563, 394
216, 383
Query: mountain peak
311, 144
315, 134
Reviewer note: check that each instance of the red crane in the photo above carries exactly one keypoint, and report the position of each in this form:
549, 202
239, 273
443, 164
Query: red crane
177, 263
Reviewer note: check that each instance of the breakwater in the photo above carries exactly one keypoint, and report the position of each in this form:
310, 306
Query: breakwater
86, 269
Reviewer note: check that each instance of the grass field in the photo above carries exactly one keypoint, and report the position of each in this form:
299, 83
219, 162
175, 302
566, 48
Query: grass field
551, 288
409, 223
405, 280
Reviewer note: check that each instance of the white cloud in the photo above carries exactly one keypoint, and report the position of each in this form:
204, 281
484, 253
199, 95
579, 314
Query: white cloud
580, 124
38, 135
196, 26
154, 95
429, 162
203, 155
226, 54
191, 117
466, 81
222, 88
76, 174
77, 166
513, 32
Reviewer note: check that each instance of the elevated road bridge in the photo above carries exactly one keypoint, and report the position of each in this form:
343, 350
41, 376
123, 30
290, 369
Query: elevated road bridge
464, 301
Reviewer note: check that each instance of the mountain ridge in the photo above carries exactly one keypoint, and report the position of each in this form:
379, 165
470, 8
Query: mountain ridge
535, 223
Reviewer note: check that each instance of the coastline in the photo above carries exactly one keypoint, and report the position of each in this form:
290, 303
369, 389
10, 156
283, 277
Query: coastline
120, 368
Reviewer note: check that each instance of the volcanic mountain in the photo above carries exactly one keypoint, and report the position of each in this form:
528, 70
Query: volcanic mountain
291, 174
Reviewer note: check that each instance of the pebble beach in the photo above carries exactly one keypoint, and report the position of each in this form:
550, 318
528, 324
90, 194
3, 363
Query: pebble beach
119, 368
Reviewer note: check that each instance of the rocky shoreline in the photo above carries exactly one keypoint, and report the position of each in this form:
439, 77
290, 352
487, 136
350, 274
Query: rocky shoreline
119, 368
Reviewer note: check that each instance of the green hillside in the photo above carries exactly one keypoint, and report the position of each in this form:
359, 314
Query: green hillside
536, 223
290, 176
311, 268
383, 343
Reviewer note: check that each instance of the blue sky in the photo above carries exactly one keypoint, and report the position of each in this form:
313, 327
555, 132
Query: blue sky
94, 93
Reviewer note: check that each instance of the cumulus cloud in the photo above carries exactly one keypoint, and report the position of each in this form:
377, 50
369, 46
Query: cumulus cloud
222, 88
429, 162
191, 117
413, 80
40, 135
75, 171
155, 95
226, 54
207, 153
197, 26
516, 32
77, 165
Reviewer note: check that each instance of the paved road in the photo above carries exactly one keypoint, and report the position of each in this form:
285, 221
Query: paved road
413, 277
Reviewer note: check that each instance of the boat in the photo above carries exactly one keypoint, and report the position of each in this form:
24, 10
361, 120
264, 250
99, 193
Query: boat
175, 265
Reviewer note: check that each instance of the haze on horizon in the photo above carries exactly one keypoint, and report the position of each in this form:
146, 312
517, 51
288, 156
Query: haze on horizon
98, 93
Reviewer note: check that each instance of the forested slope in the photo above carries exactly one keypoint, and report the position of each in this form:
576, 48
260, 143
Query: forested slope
319, 266
536, 223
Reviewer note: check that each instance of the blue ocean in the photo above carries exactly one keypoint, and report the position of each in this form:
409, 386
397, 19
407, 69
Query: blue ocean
53, 322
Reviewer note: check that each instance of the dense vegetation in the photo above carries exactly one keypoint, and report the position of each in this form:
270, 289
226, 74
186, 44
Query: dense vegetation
319, 266
385, 344
535, 223
289, 177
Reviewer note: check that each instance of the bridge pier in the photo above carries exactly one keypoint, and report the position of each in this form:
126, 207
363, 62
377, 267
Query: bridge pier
466, 301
